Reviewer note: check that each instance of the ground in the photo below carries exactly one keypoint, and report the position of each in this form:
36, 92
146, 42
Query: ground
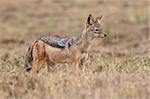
120, 65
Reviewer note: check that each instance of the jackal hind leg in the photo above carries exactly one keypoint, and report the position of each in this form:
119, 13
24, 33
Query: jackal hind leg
50, 65
37, 65
39, 57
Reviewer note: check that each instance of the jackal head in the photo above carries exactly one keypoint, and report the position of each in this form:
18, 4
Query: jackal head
93, 27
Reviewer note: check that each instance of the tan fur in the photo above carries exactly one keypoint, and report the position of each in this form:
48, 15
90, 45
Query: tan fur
43, 52
77, 55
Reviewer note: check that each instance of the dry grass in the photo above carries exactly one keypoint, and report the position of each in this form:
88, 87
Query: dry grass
120, 65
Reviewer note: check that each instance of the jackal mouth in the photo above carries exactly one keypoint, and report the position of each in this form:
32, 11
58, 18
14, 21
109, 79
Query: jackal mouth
99, 34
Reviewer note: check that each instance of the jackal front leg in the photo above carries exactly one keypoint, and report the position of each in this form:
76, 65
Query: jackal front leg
83, 62
74, 65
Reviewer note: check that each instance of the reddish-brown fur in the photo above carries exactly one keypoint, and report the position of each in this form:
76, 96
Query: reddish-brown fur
77, 55
43, 52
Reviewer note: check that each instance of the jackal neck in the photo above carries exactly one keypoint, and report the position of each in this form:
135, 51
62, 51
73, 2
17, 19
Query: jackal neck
85, 41
86, 38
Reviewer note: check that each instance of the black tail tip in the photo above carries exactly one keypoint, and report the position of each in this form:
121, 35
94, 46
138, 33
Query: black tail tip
28, 69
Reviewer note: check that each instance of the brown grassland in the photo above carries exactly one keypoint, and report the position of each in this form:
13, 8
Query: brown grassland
120, 65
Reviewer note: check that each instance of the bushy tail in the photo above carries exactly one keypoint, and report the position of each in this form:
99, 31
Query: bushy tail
29, 58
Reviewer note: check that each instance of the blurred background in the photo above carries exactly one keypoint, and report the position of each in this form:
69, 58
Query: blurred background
125, 21
119, 66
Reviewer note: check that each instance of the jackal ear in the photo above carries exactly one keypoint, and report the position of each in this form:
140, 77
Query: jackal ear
89, 20
98, 19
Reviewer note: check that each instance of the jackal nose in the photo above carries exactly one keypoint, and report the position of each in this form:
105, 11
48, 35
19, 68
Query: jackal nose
105, 35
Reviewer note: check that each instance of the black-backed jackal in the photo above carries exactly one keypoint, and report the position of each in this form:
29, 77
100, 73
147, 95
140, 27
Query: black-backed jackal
72, 50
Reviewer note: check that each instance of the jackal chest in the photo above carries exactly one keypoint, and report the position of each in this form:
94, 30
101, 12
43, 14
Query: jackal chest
78, 52
83, 56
